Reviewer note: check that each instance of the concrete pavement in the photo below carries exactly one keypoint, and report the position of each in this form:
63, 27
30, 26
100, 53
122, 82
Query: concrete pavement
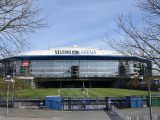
29, 114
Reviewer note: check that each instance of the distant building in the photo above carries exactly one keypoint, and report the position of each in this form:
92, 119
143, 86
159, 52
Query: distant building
74, 67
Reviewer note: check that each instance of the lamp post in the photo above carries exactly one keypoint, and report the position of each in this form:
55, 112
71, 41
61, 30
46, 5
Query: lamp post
150, 108
8, 80
7, 98
147, 78
13, 90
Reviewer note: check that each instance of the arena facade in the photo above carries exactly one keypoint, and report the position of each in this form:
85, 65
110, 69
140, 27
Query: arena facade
74, 67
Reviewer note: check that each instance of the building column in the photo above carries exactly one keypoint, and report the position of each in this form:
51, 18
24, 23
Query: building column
33, 84
90, 84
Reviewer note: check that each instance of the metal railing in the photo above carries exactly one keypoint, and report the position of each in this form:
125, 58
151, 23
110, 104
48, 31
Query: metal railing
121, 114
124, 116
154, 117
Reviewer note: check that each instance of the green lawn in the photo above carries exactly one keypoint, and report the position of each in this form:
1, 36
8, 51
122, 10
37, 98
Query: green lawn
91, 92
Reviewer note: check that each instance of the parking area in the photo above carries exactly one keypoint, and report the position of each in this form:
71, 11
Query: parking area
29, 114
36, 114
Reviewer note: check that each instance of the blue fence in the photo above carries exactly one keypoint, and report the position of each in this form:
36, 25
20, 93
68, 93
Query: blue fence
53, 102
73, 104
134, 102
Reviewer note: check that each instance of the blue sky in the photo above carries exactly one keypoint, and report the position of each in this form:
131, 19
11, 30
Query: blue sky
79, 22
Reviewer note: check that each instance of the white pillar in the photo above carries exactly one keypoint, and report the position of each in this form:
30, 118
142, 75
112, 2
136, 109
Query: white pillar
33, 85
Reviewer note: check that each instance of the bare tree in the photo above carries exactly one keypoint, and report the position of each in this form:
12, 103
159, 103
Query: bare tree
18, 85
144, 40
17, 19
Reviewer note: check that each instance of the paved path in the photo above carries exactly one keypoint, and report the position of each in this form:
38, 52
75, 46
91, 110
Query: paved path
24, 114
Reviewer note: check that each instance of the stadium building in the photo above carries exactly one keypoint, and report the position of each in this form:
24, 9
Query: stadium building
74, 67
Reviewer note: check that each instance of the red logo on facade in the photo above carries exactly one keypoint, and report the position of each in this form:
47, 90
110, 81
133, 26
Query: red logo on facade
25, 63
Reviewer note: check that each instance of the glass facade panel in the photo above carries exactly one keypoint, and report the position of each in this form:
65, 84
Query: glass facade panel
62, 68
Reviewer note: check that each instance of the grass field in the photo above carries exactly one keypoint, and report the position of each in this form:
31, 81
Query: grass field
90, 92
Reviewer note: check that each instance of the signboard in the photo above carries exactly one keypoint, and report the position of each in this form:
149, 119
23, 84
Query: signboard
76, 52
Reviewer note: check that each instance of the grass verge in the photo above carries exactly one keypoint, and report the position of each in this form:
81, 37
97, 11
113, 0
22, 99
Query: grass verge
92, 92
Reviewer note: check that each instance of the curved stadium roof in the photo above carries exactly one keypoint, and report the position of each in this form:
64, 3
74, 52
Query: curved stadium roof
71, 51
74, 53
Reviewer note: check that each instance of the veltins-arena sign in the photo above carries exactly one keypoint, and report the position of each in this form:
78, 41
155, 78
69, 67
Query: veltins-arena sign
75, 52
